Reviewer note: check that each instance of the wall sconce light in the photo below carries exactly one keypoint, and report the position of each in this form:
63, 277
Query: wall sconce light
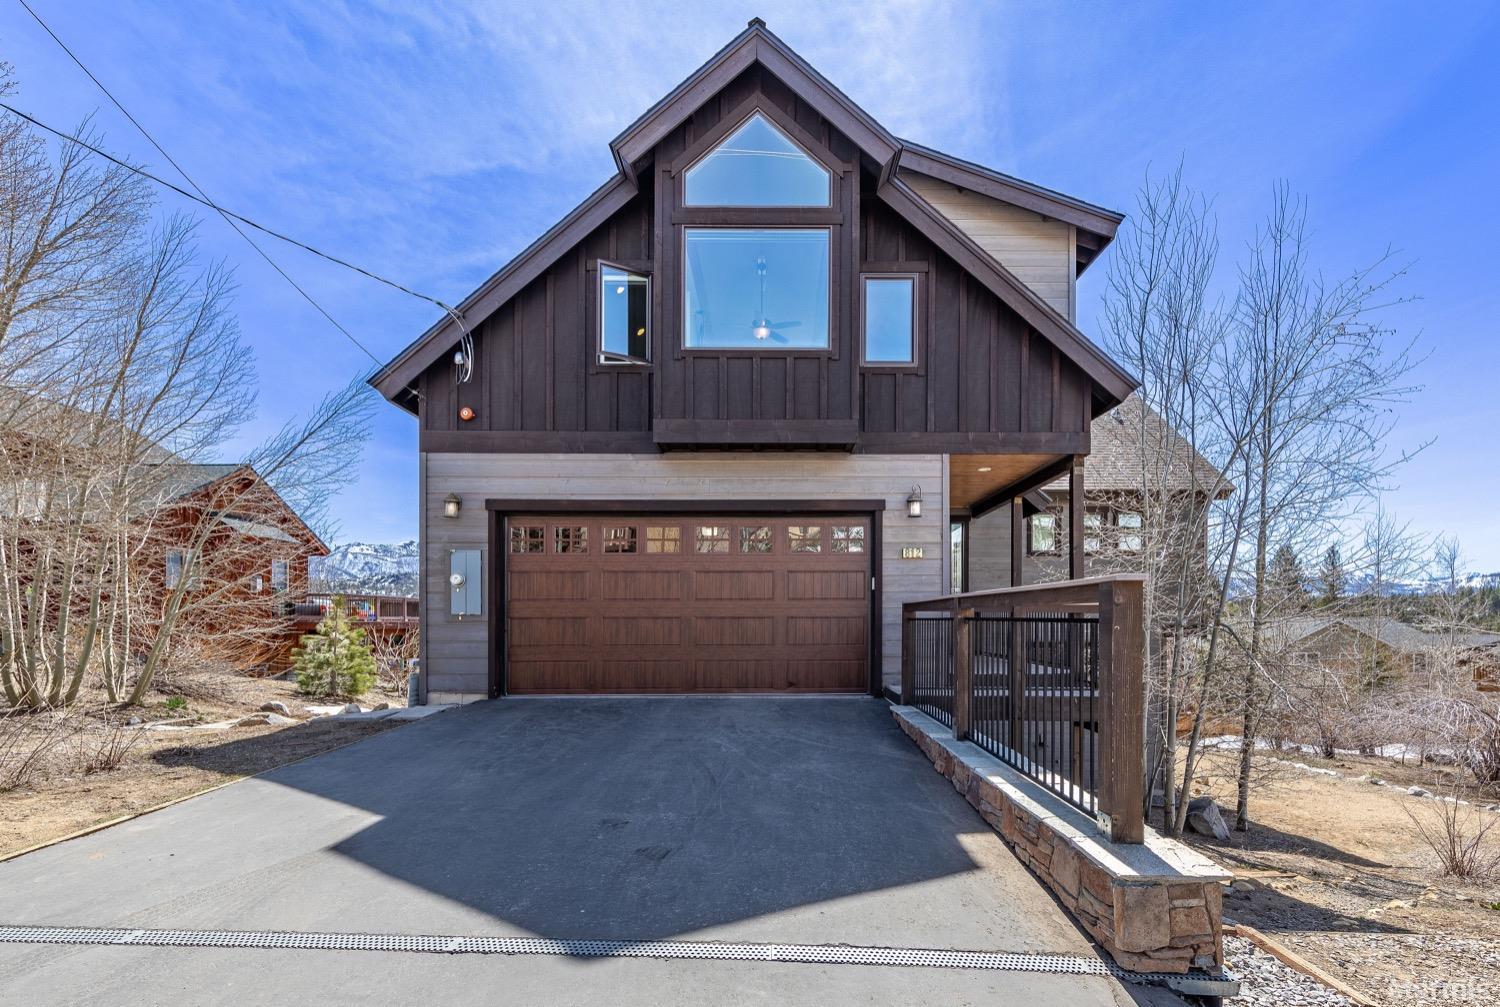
914, 502
452, 504
466, 413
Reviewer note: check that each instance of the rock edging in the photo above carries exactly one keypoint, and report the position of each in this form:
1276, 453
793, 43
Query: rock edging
1155, 907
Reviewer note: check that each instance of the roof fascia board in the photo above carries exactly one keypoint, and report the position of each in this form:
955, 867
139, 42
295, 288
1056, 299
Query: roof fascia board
1094, 219
1003, 284
607, 200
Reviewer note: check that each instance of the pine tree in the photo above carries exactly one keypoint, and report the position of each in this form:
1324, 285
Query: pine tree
1332, 577
1286, 580
334, 659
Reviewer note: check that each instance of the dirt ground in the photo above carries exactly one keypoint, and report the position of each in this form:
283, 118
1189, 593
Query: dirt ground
164, 765
1334, 868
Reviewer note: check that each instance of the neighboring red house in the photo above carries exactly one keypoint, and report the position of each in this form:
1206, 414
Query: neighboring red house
245, 552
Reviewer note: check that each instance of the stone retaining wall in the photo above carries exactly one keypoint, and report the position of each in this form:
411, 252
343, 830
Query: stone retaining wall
1155, 907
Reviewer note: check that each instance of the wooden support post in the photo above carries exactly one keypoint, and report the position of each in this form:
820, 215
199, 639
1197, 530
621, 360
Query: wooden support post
908, 659
963, 673
1075, 519
1017, 542
1122, 724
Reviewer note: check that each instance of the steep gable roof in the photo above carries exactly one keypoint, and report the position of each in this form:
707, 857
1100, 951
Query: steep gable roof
757, 45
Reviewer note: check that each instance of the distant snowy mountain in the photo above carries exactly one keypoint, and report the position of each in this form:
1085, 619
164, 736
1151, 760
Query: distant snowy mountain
368, 568
1425, 586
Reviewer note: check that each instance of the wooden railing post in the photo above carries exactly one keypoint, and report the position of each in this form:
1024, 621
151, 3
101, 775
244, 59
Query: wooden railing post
908, 663
1122, 692
963, 673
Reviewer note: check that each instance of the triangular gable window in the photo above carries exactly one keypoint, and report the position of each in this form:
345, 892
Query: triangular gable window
757, 165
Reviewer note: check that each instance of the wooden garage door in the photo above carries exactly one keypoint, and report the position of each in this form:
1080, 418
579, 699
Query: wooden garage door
685, 604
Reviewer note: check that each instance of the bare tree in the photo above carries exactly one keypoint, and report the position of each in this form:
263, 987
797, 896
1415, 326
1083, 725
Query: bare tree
1314, 382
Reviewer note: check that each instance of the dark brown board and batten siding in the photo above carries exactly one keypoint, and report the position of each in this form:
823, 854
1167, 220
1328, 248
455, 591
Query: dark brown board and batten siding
537, 385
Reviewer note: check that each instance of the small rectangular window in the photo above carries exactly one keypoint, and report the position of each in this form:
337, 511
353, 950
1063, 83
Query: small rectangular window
624, 316
1093, 529
1129, 523
713, 538
1043, 538
755, 538
570, 538
174, 567
805, 538
848, 538
890, 319
663, 539
619, 539
527, 538
280, 571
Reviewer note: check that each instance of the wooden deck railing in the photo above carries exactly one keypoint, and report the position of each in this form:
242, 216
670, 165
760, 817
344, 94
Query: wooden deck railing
1050, 679
371, 609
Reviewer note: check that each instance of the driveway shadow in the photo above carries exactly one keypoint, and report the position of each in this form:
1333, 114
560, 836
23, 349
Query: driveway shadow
654, 817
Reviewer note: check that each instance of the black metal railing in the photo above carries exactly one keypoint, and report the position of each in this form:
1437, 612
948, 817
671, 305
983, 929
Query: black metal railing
932, 643
1031, 676
1043, 721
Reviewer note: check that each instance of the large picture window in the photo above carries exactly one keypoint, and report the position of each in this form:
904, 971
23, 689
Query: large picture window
757, 165
761, 288
624, 316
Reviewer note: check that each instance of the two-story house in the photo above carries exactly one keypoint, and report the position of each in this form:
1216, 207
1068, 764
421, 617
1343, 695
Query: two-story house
707, 433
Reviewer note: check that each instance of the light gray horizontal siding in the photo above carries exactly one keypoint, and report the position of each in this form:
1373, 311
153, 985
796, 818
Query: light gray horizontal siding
1037, 250
457, 651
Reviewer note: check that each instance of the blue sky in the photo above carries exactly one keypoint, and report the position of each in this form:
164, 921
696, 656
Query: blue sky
432, 141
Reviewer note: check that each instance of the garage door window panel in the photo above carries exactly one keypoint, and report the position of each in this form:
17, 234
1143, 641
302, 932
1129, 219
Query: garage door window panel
713, 538
805, 538
528, 538
570, 539
663, 539
755, 538
848, 538
619, 539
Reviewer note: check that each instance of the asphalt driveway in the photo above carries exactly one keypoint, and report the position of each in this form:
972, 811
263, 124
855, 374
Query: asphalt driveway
757, 819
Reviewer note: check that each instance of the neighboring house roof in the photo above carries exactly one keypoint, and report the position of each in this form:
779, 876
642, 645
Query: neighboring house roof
176, 480
1115, 461
1391, 632
758, 45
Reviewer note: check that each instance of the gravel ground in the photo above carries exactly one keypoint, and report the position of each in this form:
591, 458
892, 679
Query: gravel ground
1266, 982
1418, 970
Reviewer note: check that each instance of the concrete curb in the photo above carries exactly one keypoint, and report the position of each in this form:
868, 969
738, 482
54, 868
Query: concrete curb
101, 826
1296, 962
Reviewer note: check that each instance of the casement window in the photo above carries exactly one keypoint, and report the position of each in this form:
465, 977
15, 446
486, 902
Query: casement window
755, 288
1042, 538
1093, 530
1128, 526
624, 316
757, 165
890, 319
280, 574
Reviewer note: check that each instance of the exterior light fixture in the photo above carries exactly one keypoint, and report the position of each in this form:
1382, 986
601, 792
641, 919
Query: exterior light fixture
466, 413
986, 468
452, 504
914, 502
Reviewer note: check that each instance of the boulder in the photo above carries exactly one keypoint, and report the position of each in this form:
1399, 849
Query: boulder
380, 706
1418, 792
352, 708
276, 706
1203, 817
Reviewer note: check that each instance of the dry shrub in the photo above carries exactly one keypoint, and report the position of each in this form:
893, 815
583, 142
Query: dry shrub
26, 741
1459, 835
103, 750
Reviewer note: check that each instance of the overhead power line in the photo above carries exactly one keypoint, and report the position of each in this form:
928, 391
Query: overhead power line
230, 217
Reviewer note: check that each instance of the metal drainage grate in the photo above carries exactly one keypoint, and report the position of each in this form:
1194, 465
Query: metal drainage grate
1202, 983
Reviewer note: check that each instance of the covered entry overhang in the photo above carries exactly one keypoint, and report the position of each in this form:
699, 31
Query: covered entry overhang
981, 483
